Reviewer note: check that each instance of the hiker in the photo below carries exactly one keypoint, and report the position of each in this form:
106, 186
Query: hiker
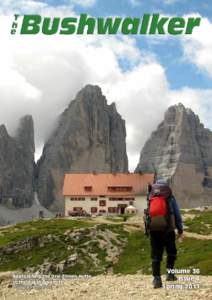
162, 216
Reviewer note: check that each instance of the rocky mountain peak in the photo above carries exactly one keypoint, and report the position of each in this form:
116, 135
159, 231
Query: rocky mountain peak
91, 95
90, 90
90, 136
180, 150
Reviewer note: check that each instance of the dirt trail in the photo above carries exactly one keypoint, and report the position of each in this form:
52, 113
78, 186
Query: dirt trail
136, 223
198, 236
103, 220
114, 287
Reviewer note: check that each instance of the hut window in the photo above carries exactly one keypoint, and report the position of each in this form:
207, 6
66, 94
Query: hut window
93, 210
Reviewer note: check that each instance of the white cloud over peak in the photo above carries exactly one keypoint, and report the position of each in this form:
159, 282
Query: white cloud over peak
199, 100
42, 74
198, 46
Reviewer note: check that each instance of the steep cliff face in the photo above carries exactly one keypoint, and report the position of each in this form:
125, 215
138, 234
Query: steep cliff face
90, 136
181, 150
17, 165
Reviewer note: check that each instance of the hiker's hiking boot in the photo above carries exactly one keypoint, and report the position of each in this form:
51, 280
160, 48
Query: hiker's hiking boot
171, 277
157, 283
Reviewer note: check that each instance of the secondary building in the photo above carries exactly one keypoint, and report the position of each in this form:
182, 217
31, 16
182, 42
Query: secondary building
105, 193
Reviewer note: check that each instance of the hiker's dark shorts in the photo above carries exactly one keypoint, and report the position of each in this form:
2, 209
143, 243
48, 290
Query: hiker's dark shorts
160, 240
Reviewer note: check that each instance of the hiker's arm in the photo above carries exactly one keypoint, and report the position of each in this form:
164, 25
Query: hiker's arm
178, 218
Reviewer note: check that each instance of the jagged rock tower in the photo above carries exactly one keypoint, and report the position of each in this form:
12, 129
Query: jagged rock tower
181, 150
90, 136
17, 165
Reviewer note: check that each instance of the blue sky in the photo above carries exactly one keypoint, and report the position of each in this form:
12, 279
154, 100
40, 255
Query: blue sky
180, 72
143, 75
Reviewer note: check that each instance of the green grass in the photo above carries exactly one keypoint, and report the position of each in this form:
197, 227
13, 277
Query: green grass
88, 267
54, 251
117, 228
135, 255
38, 228
201, 223
86, 264
127, 216
114, 219
190, 211
120, 218
192, 253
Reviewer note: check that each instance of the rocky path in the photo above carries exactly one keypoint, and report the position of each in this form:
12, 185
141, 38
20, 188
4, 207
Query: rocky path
112, 287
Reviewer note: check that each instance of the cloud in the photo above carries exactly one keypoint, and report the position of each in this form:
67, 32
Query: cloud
136, 2
50, 71
11, 7
170, 1
141, 98
43, 74
84, 3
34, 6
40, 75
198, 46
199, 100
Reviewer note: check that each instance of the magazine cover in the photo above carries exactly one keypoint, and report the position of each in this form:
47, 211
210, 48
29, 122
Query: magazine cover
105, 149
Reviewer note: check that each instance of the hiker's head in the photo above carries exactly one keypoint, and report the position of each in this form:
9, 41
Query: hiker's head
161, 188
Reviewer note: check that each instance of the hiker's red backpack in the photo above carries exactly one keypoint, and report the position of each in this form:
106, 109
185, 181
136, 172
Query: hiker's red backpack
160, 217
